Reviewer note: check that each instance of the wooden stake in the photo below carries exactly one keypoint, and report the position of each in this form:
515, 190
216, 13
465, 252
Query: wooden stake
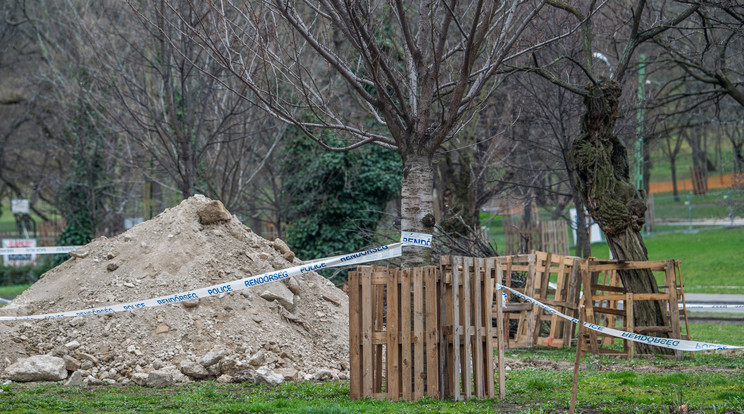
577, 361
501, 332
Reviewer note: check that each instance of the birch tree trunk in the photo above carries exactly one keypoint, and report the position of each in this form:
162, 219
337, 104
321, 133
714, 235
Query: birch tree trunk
417, 205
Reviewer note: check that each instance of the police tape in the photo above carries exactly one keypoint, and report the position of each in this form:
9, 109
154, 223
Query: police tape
37, 250
4, 300
671, 343
711, 306
371, 255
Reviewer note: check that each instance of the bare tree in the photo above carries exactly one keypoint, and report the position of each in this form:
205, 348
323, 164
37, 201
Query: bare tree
174, 105
419, 72
21, 150
599, 158
76, 158
708, 48
549, 115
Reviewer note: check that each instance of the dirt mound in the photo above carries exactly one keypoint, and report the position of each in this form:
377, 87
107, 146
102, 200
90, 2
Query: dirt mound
296, 328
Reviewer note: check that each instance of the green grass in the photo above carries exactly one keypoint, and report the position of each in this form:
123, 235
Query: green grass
710, 382
7, 220
712, 333
717, 204
662, 171
626, 392
723, 334
6, 291
208, 397
710, 258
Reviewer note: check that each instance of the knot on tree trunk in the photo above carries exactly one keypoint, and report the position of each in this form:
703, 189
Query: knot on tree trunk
601, 103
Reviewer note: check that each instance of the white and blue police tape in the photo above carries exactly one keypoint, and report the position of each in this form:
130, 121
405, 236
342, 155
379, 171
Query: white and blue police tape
4, 300
711, 306
409, 238
676, 344
37, 250
378, 253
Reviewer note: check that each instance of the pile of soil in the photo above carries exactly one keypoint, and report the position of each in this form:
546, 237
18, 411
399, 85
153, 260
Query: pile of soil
296, 328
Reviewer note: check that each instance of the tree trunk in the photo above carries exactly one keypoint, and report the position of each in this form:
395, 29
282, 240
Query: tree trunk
673, 167
738, 156
647, 165
583, 233
600, 163
417, 205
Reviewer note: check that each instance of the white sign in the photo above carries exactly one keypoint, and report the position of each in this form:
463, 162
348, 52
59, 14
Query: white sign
19, 259
595, 234
19, 206
130, 222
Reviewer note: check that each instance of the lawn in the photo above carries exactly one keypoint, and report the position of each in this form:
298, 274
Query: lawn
709, 382
711, 259
9, 291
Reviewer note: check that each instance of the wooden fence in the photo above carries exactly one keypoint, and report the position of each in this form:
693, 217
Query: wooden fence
428, 331
549, 236
528, 325
466, 354
394, 333
422, 331
608, 303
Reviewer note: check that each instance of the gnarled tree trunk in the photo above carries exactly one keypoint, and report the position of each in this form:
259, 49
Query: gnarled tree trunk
600, 162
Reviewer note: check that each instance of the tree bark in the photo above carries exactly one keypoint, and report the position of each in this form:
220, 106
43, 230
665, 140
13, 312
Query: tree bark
417, 205
600, 162
673, 167
583, 233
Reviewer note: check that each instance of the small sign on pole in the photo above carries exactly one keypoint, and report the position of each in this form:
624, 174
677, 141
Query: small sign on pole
18, 260
19, 206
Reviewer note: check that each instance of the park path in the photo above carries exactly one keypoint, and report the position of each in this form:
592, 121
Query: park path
719, 181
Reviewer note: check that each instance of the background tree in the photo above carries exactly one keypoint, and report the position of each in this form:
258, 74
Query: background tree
707, 49
356, 187
68, 147
161, 119
418, 71
599, 158
21, 175
173, 103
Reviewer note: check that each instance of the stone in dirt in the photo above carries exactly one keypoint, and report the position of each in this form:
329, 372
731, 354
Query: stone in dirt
193, 370
212, 358
279, 292
268, 377
213, 212
196, 244
159, 379
38, 368
75, 379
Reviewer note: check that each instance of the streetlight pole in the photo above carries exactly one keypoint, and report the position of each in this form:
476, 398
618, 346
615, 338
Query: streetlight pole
640, 117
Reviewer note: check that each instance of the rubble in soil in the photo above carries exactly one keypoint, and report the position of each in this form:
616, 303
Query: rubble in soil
290, 330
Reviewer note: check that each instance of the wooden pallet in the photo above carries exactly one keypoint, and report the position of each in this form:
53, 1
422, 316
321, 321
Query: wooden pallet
699, 177
466, 354
563, 272
394, 333
607, 303
549, 278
